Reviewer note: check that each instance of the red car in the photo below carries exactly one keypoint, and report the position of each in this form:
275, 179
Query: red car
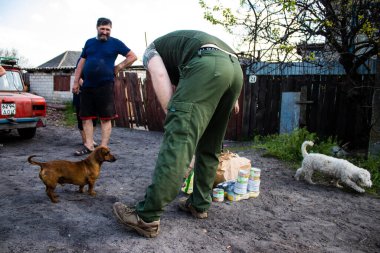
19, 109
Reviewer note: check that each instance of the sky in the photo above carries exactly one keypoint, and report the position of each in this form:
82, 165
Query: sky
43, 29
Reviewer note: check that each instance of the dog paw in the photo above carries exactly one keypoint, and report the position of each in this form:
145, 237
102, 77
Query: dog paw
92, 193
360, 190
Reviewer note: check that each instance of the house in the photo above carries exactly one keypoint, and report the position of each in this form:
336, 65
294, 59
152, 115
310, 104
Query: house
54, 79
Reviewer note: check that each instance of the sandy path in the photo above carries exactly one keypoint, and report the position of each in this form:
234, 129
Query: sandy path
288, 216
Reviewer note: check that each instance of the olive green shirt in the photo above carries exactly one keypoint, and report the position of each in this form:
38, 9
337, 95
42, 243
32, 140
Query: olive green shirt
179, 47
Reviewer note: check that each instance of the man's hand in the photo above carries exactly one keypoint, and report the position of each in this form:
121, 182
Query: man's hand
236, 107
75, 88
77, 85
130, 58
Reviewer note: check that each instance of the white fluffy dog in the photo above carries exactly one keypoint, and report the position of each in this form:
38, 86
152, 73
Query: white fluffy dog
340, 169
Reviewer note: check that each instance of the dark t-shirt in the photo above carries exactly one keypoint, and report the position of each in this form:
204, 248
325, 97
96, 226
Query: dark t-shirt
179, 47
100, 60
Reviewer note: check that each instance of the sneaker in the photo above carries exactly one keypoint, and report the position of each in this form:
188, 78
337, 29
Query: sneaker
129, 217
184, 206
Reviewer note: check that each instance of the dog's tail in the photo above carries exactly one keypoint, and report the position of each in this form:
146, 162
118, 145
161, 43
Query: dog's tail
33, 162
303, 147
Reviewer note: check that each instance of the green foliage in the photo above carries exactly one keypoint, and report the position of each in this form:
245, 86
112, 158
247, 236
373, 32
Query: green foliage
287, 48
368, 29
287, 146
70, 115
288, 5
372, 164
311, 57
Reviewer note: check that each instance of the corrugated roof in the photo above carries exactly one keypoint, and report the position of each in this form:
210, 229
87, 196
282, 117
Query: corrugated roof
305, 68
65, 60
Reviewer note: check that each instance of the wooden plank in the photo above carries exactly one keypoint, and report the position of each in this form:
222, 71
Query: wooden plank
131, 78
140, 108
155, 114
120, 103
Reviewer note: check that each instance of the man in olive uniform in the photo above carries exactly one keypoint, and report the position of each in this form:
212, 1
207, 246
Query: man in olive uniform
208, 79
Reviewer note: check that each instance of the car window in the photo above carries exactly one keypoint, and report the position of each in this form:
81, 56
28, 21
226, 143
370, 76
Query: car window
11, 81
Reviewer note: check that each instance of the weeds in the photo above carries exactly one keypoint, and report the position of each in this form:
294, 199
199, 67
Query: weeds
70, 114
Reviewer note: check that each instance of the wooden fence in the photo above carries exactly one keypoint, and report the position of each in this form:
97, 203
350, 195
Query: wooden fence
324, 108
324, 104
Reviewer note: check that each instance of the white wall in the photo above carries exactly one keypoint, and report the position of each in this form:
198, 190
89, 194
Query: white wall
42, 84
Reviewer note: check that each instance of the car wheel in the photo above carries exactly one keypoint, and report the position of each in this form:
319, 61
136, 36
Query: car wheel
27, 133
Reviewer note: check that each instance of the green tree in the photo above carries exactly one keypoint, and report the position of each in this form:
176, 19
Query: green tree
272, 29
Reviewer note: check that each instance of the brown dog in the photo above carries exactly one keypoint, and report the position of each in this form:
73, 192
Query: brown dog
77, 173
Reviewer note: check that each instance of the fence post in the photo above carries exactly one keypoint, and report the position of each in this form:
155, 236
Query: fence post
374, 136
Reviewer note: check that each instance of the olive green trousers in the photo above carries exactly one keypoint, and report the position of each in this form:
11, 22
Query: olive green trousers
196, 122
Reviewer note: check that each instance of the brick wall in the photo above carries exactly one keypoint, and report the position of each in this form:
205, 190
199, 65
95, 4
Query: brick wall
42, 84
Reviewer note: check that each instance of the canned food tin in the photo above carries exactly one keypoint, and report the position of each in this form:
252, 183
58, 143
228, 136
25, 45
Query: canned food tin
243, 173
255, 173
253, 185
242, 180
240, 190
232, 196
218, 195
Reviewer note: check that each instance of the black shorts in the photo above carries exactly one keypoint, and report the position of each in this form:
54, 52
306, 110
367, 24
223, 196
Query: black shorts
97, 102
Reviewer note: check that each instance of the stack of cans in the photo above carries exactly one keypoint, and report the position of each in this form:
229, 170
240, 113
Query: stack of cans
254, 182
241, 184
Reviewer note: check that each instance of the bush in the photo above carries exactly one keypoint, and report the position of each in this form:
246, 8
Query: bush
287, 147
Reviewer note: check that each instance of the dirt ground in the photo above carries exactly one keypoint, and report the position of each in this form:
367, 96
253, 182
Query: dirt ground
288, 216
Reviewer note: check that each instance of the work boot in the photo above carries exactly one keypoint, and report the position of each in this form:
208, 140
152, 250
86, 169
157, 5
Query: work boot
129, 217
184, 206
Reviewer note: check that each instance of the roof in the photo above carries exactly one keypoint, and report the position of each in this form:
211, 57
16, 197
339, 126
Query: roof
306, 68
65, 61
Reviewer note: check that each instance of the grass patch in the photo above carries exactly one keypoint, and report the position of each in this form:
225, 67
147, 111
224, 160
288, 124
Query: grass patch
287, 147
70, 114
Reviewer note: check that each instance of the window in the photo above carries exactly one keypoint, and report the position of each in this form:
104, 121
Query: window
62, 83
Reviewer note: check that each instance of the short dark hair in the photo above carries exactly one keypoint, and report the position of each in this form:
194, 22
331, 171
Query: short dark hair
103, 21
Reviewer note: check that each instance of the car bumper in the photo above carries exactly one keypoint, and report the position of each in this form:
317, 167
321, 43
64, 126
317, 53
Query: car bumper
16, 123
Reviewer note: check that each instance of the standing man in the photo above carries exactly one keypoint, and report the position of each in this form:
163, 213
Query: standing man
209, 79
97, 95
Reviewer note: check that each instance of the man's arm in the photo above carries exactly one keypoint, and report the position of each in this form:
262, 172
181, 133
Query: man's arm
130, 58
2, 71
78, 74
161, 81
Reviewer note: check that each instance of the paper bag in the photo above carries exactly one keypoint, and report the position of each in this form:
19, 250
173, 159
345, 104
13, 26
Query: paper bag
229, 166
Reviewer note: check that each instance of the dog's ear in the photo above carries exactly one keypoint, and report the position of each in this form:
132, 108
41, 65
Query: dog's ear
100, 152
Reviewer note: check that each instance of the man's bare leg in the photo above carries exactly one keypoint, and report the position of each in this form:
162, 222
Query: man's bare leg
88, 129
106, 126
